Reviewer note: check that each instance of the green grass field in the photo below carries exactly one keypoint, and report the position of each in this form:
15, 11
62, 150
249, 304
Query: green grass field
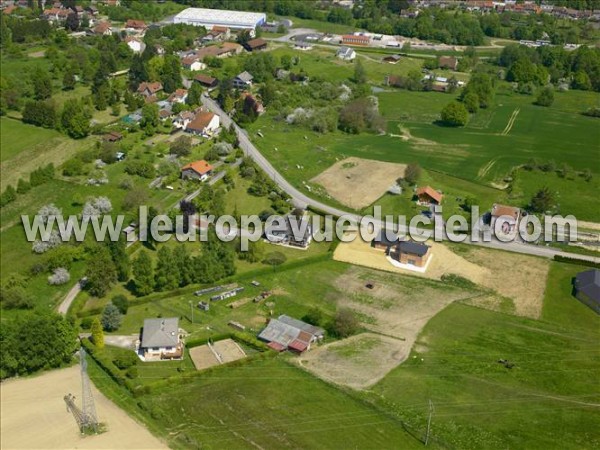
549, 399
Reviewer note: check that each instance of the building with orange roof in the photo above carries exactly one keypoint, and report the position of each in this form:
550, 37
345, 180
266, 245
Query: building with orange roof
426, 195
197, 170
204, 124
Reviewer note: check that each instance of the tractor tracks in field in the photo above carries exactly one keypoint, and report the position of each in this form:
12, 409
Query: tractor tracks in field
511, 122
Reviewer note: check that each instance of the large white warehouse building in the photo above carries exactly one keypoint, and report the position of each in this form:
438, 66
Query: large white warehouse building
209, 18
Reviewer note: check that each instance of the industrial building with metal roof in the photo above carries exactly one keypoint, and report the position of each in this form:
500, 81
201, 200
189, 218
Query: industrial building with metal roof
210, 18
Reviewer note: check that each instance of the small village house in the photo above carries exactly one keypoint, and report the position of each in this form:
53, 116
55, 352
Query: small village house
103, 29
192, 63
391, 59
179, 96
257, 44
149, 89
204, 124
135, 26
287, 333
197, 170
587, 288
385, 240
303, 45
346, 53
134, 44
292, 231
508, 216
243, 81
206, 81
182, 120
113, 136
161, 340
410, 253
448, 62
427, 196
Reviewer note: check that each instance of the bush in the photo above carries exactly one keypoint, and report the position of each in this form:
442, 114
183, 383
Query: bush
455, 115
126, 361
545, 97
275, 259
121, 302
60, 276
345, 323
111, 318
86, 323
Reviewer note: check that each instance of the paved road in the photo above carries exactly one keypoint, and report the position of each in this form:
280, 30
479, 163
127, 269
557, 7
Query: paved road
64, 306
302, 199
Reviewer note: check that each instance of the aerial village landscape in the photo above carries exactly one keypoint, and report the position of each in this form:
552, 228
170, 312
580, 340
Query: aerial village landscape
462, 327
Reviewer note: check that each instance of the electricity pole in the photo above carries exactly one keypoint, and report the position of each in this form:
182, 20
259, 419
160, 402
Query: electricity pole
429, 421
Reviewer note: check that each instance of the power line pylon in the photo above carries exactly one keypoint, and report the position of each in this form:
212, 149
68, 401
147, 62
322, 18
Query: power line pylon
89, 420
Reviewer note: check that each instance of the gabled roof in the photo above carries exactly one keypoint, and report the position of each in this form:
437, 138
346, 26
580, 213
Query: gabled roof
429, 191
255, 43
503, 210
160, 332
136, 24
201, 121
102, 27
245, 76
412, 248
588, 282
345, 51
205, 79
178, 94
200, 167
151, 87
185, 115
306, 327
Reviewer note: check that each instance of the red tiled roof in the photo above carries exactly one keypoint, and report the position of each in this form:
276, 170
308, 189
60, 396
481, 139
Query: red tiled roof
136, 24
432, 193
201, 167
298, 346
276, 346
255, 43
220, 29
179, 93
504, 210
102, 27
151, 87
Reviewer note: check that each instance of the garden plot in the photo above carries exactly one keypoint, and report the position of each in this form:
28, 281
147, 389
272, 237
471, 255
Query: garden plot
220, 352
357, 182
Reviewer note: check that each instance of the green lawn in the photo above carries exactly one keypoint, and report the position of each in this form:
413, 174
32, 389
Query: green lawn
544, 401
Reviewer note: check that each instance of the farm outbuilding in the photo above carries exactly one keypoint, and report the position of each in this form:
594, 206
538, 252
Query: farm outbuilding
292, 334
211, 18
587, 288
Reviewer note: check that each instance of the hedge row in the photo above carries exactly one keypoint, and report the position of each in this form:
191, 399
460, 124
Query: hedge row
579, 262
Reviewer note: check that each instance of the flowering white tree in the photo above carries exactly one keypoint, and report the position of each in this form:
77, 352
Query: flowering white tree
60, 276
223, 148
96, 207
40, 246
50, 210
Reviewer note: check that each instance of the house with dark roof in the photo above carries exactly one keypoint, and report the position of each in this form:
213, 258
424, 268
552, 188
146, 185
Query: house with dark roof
256, 44
587, 288
410, 253
384, 240
206, 81
160, 340
391, 59
287, 333
427, 196
290, 230
197, 170
448, 62
113, 136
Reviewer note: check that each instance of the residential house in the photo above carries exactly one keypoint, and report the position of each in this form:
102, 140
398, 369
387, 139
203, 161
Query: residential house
291, 230
222, 50
508, 216
134, 44
135, 26
303, 45
204, 124
384, 240
355, 39
149, 89
587, 288
206, 81
182, 120
161, 340
391, 59
411, 253
256, 44
217, 34
113, 136
165, 110
103, 29
197, 170
179, 96
243, 81
92, 10
287, 333
448, 62
427, 196
346, 53
192, 63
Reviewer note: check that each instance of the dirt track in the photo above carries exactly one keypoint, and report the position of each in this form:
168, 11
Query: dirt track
357, 182
34, 416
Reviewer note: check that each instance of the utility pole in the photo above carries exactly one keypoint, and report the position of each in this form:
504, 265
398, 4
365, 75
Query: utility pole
429, 421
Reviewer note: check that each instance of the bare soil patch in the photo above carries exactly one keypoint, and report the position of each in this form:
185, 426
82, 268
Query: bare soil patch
34, 416
357, 182
227, 349
358, 362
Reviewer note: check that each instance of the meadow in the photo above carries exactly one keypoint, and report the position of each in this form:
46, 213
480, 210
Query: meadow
480, 403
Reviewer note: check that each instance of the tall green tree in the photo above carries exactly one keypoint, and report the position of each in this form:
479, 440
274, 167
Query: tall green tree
143, 274
101, 272
167, 274
97, 333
